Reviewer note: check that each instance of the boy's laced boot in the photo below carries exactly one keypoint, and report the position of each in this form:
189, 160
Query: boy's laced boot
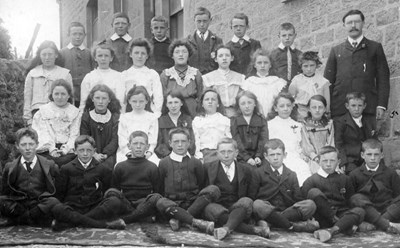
174, 224
204, 226
221, 233
325, 235
393, 228
118, 224
262, 229
366, 227
306, 226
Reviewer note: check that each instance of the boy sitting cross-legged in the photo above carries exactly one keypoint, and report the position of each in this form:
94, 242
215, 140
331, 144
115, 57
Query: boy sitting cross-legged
279, 200
183, 185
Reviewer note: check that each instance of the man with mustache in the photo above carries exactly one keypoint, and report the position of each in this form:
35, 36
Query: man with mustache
358, 64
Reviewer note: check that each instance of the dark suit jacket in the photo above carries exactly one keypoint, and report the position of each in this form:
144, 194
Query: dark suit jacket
49, 168
363, 69
244, 173
279, 65
242, 54
347, 139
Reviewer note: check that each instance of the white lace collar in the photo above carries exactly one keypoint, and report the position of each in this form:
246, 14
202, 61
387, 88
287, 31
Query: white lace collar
99, 117
190, 75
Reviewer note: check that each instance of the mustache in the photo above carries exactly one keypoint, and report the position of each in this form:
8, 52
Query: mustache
354, 29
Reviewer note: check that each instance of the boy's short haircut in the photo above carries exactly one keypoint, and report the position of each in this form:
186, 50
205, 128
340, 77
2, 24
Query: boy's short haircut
120, 15
241, 16
372, 144
202, 11
355, 95
287, 26
26, 131
227, 140
354, 12
274, 144
138, 134
328, 149
178, 130
82, 139
160, 19
75, 24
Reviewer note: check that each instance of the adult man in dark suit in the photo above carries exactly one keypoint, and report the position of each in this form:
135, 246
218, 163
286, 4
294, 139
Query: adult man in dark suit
358, 64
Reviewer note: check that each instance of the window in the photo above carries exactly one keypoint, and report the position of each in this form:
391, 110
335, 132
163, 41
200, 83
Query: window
92, 22
176, 19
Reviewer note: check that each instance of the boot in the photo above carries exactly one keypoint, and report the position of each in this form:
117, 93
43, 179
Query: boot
174, 224
221, 233
117, 224
325, 235
366, 227
306, 226
393, 228
262, 229
204, 226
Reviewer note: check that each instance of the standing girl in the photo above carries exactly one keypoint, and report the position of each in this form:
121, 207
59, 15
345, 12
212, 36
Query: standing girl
103, 54
209, 126
307, 84
264, 86
249, 129
182, 76
100, 120
317, 131
175, 114
283, 127
44, 69
141, 75
138, 117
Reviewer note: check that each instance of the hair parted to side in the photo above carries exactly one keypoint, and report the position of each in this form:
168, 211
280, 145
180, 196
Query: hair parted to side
75, 24
328, 149
82, 139
120, 15
28, 132
202, 11
135, 134
178, 94
274, 144
355, 95
160, 18
250, 95
372, 144
178, 130
354, 12
320, 98
227, 140
241, 16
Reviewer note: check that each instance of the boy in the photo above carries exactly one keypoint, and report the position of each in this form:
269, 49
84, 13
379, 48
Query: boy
27, 190
351, 130
119, 41
241, 45
182, 183
279, 200
224, 81
377, 188
284, 59
203, 42
77, 58
233, 179
80, 187
136, 181
160, 60
331, 193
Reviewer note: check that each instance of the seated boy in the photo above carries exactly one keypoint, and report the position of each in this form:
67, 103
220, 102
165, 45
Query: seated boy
331, 193
233, 179
27, 190
279, 200
351, 130
136, 181
80, 187
182, 180
377, 188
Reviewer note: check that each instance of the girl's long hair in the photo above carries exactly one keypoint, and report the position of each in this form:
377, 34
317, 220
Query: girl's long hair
38, 61
114, 106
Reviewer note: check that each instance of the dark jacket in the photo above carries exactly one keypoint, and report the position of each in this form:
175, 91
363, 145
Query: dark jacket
244, 173
242, 54
279, 63
381, 187
282, 191
250, 137
82, 187
348, 139
160, 59
201, 59
49, 168
363, 69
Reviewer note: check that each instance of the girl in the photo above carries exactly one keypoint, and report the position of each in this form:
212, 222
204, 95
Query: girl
175, 113
307, 84
210, 126
264, 86
317, 131
249, 129
182, 76
100, 120
44, 69
139, 74
57, 124
225, 82
283, 127
138, 117
103, 54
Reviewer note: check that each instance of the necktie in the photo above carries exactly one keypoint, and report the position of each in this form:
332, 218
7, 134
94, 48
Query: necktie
276, 172
354, 44
28, 166
227, 169
241, 41
202, 36
289, 64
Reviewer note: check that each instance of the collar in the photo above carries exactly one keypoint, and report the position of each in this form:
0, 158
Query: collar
322, 173
205, 34
358, 40
235, 39
224, 72
177, 157
357, 120
126, 37
34, 160
261, 76
85, 165
369, 169
281, 46
81, 47
280, 169
162, 40
232, 165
